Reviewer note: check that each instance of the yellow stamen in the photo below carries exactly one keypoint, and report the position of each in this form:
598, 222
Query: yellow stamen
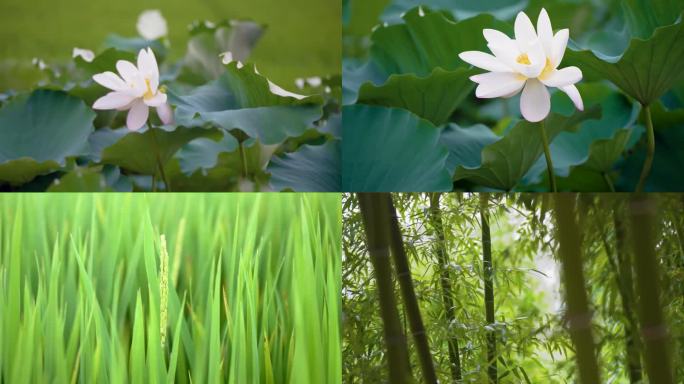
548, 68
148, 94
523, 59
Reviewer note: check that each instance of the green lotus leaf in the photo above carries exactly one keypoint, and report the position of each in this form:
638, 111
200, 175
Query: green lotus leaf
460, 9
141, 151
39, 131
312, 168
390, 149
243, 99
645, 16
135, 44
203, 153
426, 45
505, 162
434, 97
81, 180
571, 149
232, 171
105, 61
645, 71
466, 144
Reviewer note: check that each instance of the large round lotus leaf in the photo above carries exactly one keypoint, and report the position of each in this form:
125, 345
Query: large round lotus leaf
644, 16
105, 61
39, 131
460, 9
203, 153
142, 151
425, 41
466, 144
243, 99
645, 71
135, 44
570, 149
313, 168
228, 171
81, 180
505, 162
434, 97
391, 150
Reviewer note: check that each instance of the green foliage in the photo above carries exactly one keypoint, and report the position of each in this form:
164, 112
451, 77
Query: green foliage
532, 327
229, 122
645, 71
311, 168
507, 160
400, 152
39, 131
625, 50
81, 288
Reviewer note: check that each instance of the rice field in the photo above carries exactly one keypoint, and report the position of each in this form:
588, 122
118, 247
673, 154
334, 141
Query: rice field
173, 288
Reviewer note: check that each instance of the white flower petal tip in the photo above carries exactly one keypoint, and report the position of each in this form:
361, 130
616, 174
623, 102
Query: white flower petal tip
529, 61
276, 90
152, 25
573, 93
136, 89
226, 57
87, 55
165, 113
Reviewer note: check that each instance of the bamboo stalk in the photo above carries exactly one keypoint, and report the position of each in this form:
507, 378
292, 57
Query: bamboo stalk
653, 328
409, 294
578, 315
374, 212
488, 270
445, 283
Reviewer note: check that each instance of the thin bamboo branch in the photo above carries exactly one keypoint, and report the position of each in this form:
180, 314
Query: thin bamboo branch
445, 283
488, 270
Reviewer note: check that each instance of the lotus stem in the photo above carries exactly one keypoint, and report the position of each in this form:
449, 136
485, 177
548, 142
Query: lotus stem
547, 155
243, 160
650, 151
608, 181
160, 165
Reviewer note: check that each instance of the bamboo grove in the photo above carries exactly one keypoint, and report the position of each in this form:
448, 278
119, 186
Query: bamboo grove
513, 288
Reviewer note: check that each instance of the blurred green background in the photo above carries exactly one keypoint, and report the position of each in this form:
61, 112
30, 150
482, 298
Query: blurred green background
303, 36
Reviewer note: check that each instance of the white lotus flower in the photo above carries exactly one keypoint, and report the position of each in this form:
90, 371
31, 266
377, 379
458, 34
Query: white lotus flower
152, 25
135, 90
85, 54
528, 62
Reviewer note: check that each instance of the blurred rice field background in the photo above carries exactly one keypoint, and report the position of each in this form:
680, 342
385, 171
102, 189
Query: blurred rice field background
150, 288
303, 37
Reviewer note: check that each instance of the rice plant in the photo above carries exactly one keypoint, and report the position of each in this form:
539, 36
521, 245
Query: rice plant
200, 288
